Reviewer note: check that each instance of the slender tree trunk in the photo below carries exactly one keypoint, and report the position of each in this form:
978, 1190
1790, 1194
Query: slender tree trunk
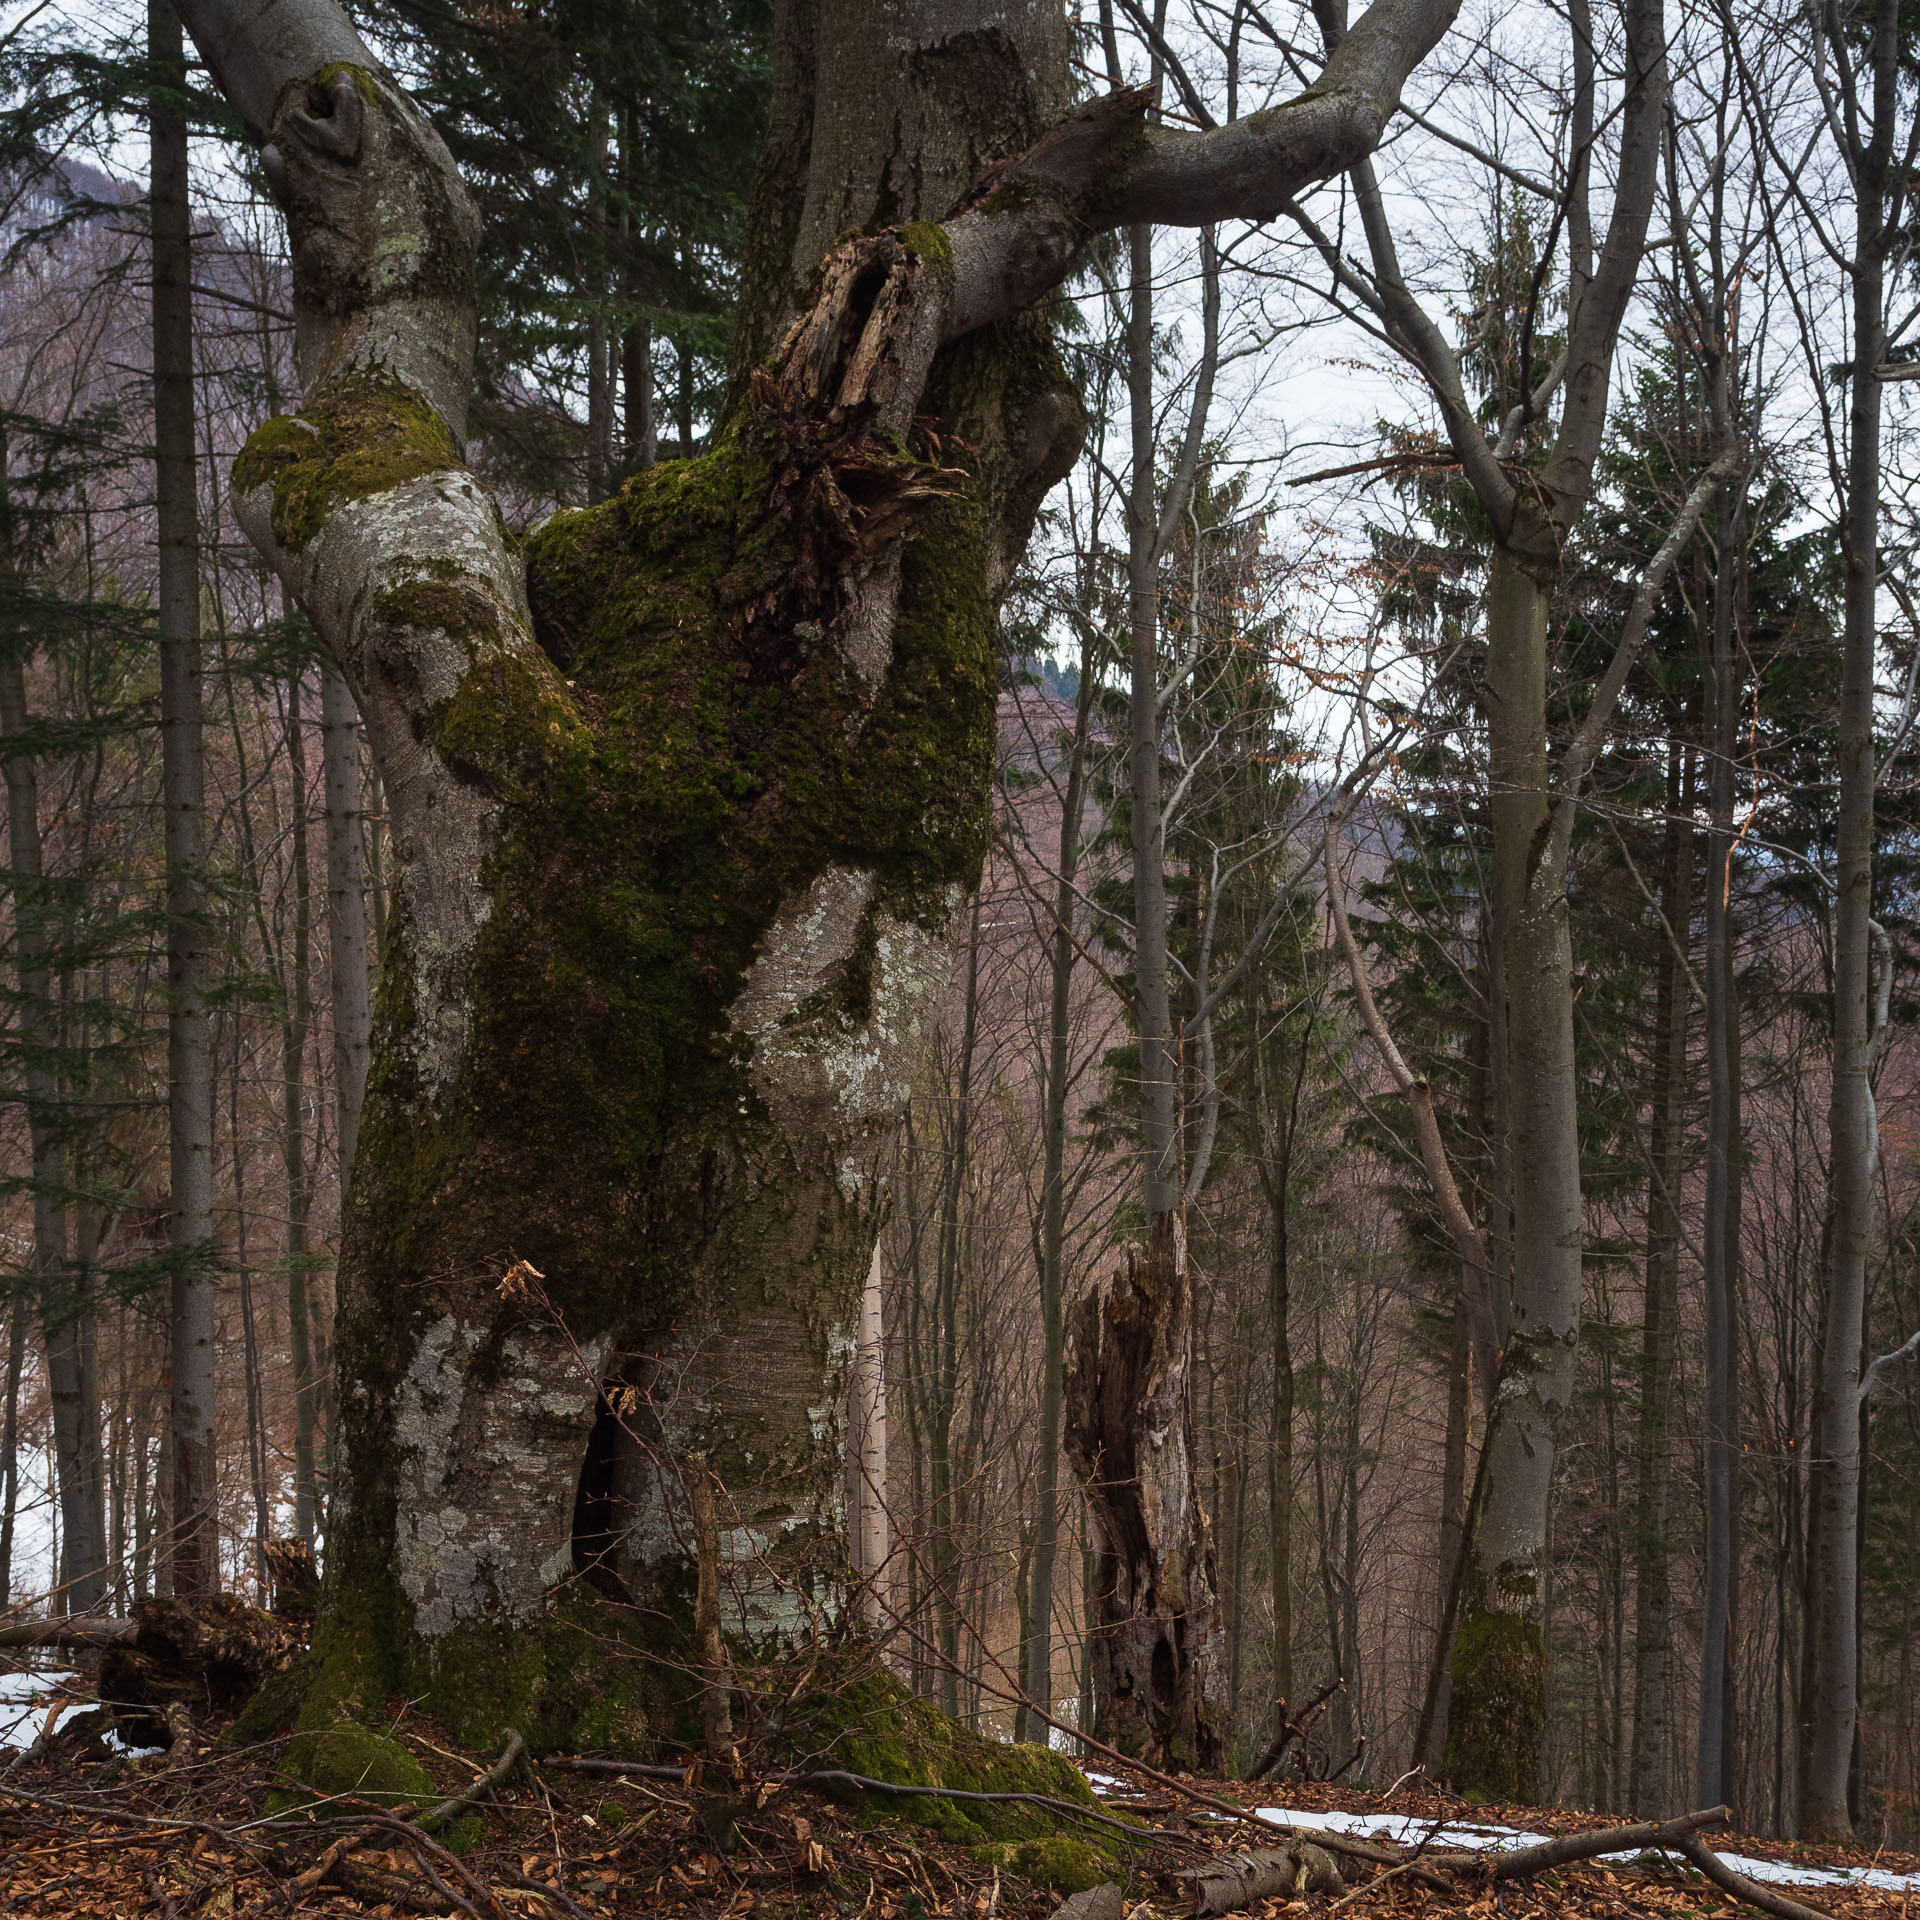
1277, 1136
955, 1182
600, 346
1653, 1675
62, 1306
296, 1023
10, 1439
1053, 1207
193, 1549
1713, 1775
249, 1330
867, 1448
1833, 1706
636, 343
85, 1575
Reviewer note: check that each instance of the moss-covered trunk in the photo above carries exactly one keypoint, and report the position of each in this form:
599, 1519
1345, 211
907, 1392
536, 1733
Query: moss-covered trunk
687, 803
685, 800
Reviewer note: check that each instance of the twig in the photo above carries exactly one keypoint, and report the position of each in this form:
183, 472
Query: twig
496, 1775
439, 1886
555, 1894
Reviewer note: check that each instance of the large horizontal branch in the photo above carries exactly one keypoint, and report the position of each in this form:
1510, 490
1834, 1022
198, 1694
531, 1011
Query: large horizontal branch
1020, 230
80, 1633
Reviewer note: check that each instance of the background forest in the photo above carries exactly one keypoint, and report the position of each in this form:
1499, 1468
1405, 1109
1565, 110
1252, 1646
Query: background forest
1244, 825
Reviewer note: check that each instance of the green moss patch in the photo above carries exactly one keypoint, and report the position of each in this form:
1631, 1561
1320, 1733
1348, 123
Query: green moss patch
1496, 1709
355, 438
348, 1760
345, 1760
874, 1726
1066, 1866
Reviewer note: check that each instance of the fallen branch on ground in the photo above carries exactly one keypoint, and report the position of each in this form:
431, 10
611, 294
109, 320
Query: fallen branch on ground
826, 1778
1242, 1879
1567, 1848
496, 1775
1693, 1848
336, 1864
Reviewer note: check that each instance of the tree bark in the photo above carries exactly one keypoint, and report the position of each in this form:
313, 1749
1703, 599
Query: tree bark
63, 1307
867, 1448
296, 1023
686, 805
1833, 1706
194, 1548
10, 1440
1062, 959
346, 913
1497, 1707
1714, 1771
1648, 1790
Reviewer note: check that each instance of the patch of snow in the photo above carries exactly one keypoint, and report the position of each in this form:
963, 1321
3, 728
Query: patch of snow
1466, 1836
24, 1699
1104, 1782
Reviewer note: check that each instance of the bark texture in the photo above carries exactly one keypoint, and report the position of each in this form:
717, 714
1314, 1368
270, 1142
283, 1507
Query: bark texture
1833, 1708
1157, 1650
194, 1550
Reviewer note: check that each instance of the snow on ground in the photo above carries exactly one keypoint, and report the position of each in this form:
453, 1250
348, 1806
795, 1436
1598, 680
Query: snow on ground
1408, 1830
24, 1700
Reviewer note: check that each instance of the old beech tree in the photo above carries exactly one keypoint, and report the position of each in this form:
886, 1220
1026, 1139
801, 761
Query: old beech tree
688, 794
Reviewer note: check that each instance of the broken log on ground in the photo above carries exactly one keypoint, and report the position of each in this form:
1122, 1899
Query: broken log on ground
1262, 1873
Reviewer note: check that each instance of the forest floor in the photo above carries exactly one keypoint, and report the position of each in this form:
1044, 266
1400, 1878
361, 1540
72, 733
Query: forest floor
193, 1837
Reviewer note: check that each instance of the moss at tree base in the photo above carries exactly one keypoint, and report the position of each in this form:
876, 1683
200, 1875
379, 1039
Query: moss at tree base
1497, 1709
872, 1725
1063, 1865
345, 1761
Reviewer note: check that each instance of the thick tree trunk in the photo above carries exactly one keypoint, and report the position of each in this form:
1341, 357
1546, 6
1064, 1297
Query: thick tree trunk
686, 808
194, 1549
1497, 1703
1653, 1675
656, 1051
